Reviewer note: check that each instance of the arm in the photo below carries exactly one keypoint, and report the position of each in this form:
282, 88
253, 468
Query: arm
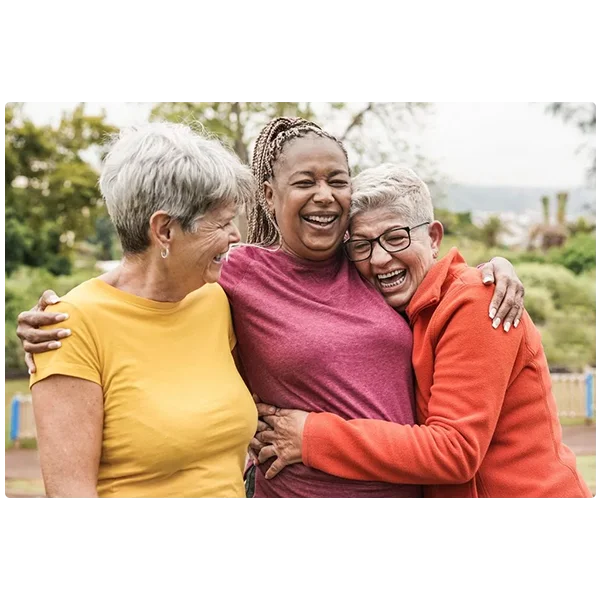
69, 416
466, 399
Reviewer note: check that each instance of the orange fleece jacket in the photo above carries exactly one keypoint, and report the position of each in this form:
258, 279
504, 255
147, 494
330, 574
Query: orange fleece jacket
488, 420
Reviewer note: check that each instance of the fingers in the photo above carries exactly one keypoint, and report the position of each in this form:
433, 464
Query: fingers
40, 348
271, 420
266, 437
33, 319
48, 298
252, 456
487, 274
262, 426
266, 453
496, 302
40, 336
256, 446
510, 318
265, 410
275, 468
506, 304
520, 313
29, 362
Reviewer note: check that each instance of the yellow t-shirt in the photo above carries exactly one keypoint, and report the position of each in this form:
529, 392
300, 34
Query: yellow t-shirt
177, 415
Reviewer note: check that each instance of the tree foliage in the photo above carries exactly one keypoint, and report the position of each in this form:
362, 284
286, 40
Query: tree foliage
51, 193
238, 123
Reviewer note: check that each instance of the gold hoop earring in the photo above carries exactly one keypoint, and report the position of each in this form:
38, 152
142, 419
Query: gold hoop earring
164, 252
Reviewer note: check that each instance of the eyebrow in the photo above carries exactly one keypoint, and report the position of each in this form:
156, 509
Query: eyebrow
364, 237
311, 174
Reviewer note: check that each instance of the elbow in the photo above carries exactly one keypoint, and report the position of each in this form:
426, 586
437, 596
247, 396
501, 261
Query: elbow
463, 465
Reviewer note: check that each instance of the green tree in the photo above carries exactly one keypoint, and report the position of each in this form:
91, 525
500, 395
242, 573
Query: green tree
578, 254
51, 193
491, 231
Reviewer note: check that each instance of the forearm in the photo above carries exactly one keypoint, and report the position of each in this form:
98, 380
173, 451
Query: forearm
372, 450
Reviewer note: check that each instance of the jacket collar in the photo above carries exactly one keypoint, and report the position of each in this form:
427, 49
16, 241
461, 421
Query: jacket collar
433, 288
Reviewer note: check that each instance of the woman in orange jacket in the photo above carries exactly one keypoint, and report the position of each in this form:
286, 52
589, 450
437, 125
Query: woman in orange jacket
488, 422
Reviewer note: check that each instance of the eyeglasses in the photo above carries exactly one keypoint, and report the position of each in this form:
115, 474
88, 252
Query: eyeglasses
393, 240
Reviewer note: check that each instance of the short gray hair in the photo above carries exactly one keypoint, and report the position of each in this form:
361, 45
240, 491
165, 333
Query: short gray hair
171, 167
393, 187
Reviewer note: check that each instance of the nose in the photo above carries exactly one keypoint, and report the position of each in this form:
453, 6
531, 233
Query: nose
379, 257
324, 194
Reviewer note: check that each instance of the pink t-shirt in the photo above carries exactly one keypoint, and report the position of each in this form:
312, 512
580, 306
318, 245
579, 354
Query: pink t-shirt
316, 336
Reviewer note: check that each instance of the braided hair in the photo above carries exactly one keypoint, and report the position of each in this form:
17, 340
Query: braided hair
262, 227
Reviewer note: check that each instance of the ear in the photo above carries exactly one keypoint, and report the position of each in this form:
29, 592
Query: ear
436, 235
161, 228
268, 189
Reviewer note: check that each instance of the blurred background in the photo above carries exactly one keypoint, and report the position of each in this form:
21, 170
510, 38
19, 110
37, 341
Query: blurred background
510, 179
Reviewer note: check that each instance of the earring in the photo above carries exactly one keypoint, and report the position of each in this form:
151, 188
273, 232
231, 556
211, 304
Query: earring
164, 252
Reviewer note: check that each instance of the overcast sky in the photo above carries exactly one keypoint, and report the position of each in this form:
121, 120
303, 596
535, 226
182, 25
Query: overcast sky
475, 143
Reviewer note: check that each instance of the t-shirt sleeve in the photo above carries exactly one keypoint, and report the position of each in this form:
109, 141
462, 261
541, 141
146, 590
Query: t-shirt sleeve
234, 268
78, 355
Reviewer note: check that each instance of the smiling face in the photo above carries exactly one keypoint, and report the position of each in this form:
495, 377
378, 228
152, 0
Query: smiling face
396, 276
310, 195
199, 255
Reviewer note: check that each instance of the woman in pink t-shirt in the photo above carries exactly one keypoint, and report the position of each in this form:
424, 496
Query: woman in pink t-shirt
312, 334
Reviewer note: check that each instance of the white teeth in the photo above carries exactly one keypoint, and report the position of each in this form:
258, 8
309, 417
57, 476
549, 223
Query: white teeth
391, 274
391, 284
322, 220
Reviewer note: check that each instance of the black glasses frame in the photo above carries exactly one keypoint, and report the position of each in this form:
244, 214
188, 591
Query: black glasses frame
378, 240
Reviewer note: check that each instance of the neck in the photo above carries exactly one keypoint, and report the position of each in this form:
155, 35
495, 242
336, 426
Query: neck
148, 277
314, 256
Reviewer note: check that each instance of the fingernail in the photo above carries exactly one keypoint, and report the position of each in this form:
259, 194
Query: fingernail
54, 345
53, 299
492, 313
517, 322
496, 323
507, 326
61, 317
63, 333
488, 279
29, 371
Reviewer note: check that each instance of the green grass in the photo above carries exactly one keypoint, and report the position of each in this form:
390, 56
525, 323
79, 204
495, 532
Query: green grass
24, 488
587, 468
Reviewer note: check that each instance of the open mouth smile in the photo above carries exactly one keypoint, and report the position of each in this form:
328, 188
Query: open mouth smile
320, 221
392, 279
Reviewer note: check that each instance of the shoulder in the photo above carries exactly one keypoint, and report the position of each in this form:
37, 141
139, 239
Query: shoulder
464, 307
465, 285
241, 261
82, 303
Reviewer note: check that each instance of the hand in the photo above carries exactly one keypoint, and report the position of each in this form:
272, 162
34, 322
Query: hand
255, 444
37, 340
284, 439
507, 304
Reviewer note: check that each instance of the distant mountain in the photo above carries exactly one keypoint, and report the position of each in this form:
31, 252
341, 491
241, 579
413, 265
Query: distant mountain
524, 200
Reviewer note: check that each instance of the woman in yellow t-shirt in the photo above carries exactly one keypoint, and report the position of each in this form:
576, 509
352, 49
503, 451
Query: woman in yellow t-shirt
144, 398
